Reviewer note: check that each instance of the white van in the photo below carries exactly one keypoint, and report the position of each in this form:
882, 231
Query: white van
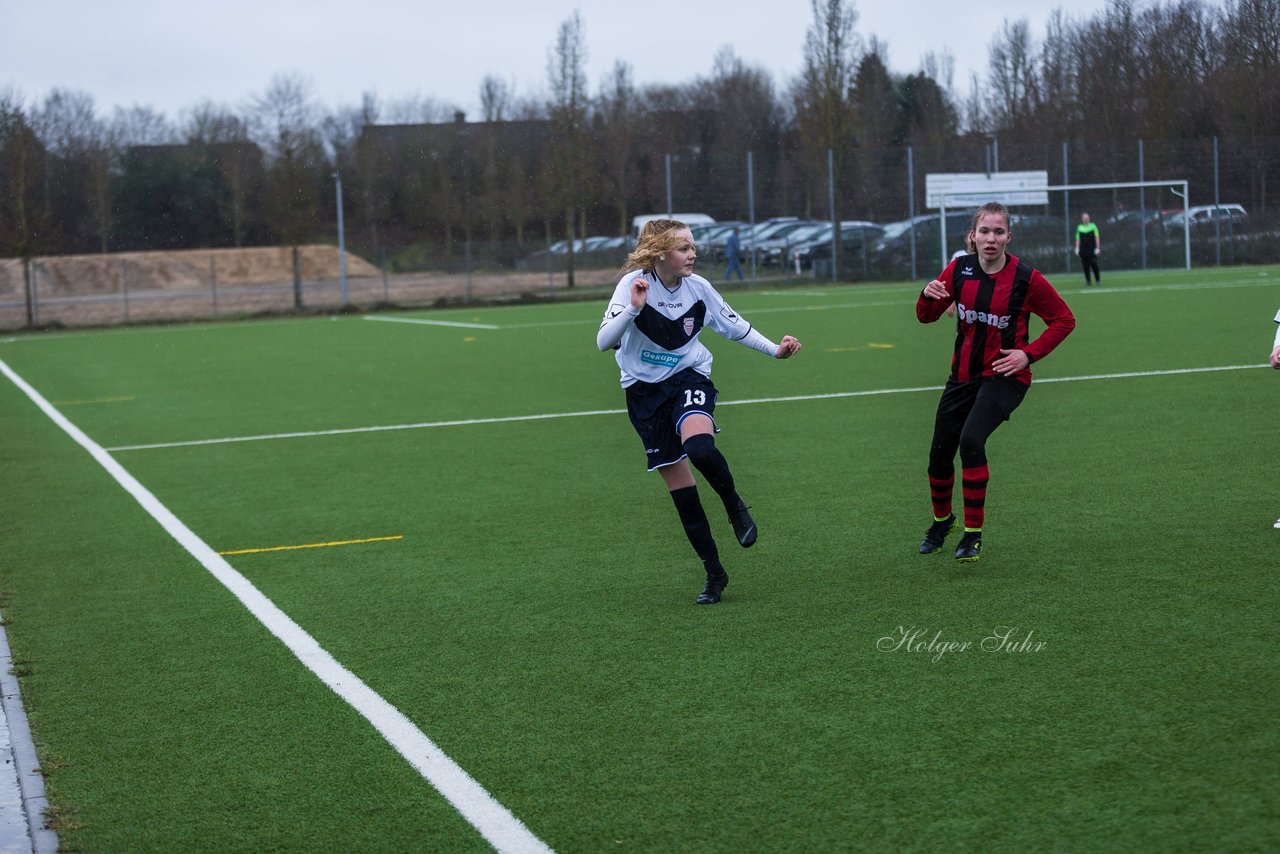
1206, 214
637, 222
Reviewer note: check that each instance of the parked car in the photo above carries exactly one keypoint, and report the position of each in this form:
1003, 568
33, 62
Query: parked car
775, 251
857, 237
892, 251
689, 219
581, 246
1231, 214
706, 236
771, 229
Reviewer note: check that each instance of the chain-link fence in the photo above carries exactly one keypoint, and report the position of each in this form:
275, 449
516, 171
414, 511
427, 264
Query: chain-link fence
416, 250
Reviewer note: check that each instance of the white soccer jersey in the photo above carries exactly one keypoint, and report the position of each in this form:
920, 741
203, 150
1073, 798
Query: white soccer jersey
663, 339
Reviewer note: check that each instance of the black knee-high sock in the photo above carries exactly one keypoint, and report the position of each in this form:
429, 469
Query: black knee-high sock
696, 526
706, 458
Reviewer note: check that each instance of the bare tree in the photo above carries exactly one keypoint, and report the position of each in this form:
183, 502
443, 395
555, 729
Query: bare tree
1059, 79
876, 122
284, 121
492, 187
1250, 85
566, 72
1014, 86
138, 125
736, 111
24, 222
225, 137
367, 162
940, 67
84, 156
823, 113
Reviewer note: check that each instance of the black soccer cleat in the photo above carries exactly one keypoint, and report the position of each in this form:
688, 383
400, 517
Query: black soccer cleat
716, 583
937, 532
970, 546
744, 527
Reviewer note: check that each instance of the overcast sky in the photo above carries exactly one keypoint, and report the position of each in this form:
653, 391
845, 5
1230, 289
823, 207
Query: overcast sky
172, 54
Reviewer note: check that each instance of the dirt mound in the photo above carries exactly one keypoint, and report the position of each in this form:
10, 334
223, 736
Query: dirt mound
178, 270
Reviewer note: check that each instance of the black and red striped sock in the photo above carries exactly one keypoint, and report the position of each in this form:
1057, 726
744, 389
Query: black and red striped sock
940, 489
973, 483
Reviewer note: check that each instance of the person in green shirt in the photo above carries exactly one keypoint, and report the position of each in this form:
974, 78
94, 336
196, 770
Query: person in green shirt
1088, 247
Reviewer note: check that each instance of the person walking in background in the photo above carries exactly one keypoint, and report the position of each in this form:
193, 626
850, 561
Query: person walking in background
733, 249
995, 295
1088, 247
653, 321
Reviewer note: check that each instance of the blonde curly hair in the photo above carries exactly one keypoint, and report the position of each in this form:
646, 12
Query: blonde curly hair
657, 237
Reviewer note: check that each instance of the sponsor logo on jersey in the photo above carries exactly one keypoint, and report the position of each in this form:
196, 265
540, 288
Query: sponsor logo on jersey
970, 316
967, 271
614, 311
662, 304
666, 360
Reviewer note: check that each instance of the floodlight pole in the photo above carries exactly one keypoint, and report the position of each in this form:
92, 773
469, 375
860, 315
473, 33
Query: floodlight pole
911, 207
1217, 202
751, 213
342, 240
831, 206
670, 209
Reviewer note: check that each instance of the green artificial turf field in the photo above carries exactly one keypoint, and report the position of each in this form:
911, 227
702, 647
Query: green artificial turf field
519, 588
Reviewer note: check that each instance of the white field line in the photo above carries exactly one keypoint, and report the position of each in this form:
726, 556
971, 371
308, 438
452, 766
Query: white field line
1201, 286
908, 298
145, 330
341, 431
424, 322
494, 822
586, 413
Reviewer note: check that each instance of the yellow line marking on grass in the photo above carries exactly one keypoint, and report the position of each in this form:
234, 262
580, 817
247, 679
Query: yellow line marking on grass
121, 399
312, 545
871, 345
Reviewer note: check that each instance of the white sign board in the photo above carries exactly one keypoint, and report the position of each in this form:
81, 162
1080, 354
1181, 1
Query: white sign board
970, 189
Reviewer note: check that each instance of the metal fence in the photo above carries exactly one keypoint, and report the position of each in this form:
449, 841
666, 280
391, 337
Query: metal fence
898, 239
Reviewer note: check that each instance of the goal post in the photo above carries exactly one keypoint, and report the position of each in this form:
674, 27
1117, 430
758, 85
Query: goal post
948, 193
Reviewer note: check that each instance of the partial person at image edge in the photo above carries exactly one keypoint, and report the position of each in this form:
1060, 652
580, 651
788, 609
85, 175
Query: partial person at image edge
1275, 363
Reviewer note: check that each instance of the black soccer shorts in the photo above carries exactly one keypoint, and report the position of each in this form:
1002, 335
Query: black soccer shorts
968, 413
656, 410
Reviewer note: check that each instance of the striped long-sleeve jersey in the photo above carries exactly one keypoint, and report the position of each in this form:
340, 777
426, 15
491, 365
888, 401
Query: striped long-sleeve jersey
993, 313
662, 338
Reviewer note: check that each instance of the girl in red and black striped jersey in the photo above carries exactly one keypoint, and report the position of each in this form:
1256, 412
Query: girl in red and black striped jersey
995, 295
